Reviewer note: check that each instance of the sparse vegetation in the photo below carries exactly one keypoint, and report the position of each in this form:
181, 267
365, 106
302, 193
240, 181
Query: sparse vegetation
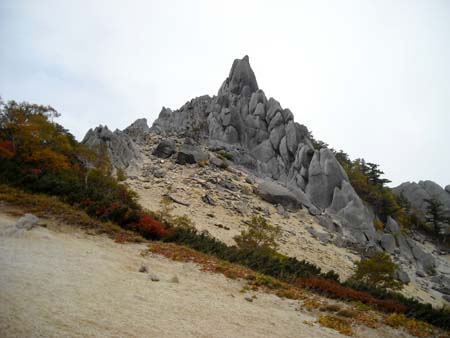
377, 271
39, 156
339, 324
260, 234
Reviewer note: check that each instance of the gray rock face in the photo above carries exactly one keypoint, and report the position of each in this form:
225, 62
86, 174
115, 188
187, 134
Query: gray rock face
402, 276
190, 154
388, 243
417, 193
392, 226
241, 80
165, 148
138, 130
263, 137
277, 194
120, 148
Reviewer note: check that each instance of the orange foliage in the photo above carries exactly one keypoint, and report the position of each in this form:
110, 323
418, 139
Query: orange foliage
6, 149
334, 289
149, 227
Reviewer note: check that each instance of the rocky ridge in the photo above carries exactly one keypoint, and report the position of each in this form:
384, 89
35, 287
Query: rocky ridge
417, 193
260, 138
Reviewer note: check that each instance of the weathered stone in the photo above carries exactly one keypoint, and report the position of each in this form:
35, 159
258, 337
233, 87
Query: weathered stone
27, 222
165, 148
208, 200
405, 250
420, 273
277, 194
417, 194
120, 148
241, 76
250, 179
402, 276
388, 243
282, 211
138, 130
391, 226
215, 161
190, 154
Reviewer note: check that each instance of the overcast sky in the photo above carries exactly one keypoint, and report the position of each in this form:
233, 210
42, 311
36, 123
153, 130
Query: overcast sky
369, 77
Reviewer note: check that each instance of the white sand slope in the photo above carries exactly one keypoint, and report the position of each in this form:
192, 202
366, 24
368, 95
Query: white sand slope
69, 284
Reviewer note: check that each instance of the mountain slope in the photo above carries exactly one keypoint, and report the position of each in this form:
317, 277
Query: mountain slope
60, 282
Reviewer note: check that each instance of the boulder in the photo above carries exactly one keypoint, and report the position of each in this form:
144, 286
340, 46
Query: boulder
165, 148
417, 193
424, 259
391, 226
402, 276
27, 222
325, 174
190, 154
387, 242
208, 200
277, 194
405, 250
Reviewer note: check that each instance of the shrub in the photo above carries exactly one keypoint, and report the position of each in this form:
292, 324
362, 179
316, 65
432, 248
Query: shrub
333, 289
149, 227
378, 224
202, 164
222, 154
259, 234
121, 175
347, 313
396, 320
378, 271
331, 307
336, 323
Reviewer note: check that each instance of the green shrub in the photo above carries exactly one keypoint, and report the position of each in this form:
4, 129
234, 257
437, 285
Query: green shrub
377, 271
259, 234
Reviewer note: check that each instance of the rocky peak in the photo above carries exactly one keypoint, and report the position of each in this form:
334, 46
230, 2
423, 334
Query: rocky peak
241, 80
138, 130
120, 148
262, 136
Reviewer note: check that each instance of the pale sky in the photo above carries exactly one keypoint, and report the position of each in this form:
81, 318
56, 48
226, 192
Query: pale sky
369, 77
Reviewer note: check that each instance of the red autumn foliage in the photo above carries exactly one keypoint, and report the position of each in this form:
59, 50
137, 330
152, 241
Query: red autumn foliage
6, 149
149, 227
36, 171
334, 289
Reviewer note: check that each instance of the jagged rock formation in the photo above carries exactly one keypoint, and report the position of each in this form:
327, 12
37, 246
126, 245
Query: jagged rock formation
138, 130
417, 193
120, 148
263, 137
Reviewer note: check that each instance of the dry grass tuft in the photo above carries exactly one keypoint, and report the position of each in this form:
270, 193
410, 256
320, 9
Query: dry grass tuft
339, 324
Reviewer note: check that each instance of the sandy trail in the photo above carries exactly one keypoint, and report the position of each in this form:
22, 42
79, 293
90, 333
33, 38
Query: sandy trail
66, 283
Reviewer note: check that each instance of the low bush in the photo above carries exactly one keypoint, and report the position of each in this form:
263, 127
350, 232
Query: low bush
334, 289
341, 325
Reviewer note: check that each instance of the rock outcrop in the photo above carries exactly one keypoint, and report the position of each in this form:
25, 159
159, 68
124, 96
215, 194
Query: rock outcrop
417, 193
119, 147
138, 130
262, 136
